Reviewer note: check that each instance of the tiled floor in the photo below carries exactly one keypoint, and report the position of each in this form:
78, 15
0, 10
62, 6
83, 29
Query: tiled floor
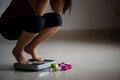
91, 59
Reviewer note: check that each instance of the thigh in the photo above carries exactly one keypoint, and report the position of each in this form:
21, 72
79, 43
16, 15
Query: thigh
12, 29
33, 24
52, 20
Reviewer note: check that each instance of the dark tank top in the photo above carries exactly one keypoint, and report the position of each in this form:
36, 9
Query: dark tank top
16, 8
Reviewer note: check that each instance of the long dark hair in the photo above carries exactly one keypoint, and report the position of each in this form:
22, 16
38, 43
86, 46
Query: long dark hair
67, 6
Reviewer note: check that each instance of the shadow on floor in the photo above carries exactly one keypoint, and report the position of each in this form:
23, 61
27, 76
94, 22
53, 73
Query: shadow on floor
6, 67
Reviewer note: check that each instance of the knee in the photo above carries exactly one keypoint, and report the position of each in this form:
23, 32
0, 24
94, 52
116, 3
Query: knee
35, 24
52, 20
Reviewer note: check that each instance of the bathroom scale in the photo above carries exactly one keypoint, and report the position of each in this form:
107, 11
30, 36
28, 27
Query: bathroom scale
35, 66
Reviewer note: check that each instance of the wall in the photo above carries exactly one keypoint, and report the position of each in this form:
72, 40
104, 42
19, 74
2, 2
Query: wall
3, 5
116, 20
86, 14
91, 14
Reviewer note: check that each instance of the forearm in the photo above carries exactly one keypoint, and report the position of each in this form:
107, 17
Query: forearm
42, 6
57, 6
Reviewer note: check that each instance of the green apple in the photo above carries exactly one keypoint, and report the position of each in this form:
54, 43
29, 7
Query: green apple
55, 66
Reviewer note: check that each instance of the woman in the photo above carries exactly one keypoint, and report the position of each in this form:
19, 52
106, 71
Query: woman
27, 22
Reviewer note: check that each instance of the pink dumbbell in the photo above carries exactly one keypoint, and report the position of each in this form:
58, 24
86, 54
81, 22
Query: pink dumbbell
65, 66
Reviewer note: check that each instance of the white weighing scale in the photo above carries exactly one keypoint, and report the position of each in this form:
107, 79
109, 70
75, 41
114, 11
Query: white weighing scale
35, 66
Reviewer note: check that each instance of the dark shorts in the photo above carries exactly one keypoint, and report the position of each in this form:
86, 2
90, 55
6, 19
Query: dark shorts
33, 24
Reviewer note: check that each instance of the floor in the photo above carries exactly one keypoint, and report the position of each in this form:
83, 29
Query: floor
92, 57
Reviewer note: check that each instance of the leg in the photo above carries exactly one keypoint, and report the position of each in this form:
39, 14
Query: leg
18, 51
33, 26
53, 22
28, 41
31, 47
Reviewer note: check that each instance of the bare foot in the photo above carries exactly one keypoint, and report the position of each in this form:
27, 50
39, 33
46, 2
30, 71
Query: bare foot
20, 57
33, 53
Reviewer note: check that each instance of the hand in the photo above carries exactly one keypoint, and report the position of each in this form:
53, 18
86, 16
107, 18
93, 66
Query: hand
57, 6
39, 6
42, 6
